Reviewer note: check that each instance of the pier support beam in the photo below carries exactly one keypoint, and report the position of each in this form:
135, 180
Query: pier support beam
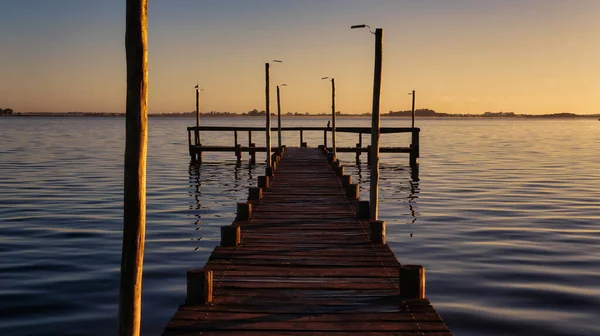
412, 281
199, 287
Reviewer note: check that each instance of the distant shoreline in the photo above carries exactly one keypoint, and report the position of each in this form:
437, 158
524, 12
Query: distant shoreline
324, 116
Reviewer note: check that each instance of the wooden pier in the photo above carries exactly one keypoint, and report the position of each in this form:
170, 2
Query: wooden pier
196, 148
303, 258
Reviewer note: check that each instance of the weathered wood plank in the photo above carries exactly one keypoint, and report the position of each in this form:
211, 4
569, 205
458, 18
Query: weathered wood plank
306, 266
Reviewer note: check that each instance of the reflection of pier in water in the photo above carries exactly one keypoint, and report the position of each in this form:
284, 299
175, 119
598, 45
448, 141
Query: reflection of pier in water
303, 256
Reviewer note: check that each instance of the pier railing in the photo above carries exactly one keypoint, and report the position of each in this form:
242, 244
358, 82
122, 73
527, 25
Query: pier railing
196, 148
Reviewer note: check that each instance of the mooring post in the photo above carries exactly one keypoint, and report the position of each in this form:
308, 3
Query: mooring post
363, 210
374, 185
359, 147
325, 138
412, 281
191, 149
346, 180
278, 118
352, 191
197, 141
413, 109
301, 137
230, 235
244, 211
238, 147
369, 155
136, 148
333, 115
414, 148
268, 170
377, 231
255, 193
252, 153
238, 153
264, 182
199, 286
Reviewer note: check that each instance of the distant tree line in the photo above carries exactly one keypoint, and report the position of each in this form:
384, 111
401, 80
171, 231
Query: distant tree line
7, 111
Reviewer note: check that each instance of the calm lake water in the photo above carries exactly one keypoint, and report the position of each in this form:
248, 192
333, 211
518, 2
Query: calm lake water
504, 215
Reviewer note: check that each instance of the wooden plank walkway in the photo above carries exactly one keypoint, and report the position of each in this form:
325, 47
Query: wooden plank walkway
305, 266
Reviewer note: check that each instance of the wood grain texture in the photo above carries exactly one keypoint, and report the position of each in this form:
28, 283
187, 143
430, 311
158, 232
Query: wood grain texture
136, 146
306, 266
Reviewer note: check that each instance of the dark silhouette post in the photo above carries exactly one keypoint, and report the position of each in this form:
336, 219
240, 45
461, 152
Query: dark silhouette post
374, 148
374, 185
268, 119
136, 146
279, 117
197, 115
413, 109
333, 115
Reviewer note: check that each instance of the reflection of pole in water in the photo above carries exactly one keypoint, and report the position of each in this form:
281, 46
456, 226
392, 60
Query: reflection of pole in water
195, 182
414, 191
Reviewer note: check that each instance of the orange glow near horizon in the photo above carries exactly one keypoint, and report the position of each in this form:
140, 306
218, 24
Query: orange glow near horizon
529, 57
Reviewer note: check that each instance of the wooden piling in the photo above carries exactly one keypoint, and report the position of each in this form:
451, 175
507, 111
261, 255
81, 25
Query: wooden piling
252, 154
302, 138
374, 178
197, 133
238, 152
136, 146
352, 191
333, 144
414, 148
278, 119
230, 235
244, 211
263, 182
199, 287
377, 231
254, 193
412, 281
362, 210
268, 118
346, 180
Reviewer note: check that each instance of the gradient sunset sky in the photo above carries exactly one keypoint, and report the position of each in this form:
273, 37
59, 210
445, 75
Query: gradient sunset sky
462, 56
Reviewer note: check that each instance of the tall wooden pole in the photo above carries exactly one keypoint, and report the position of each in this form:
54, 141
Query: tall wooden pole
333, 115
197, 115
268, 118
136, 146
278, 118
413, 108
374, 185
